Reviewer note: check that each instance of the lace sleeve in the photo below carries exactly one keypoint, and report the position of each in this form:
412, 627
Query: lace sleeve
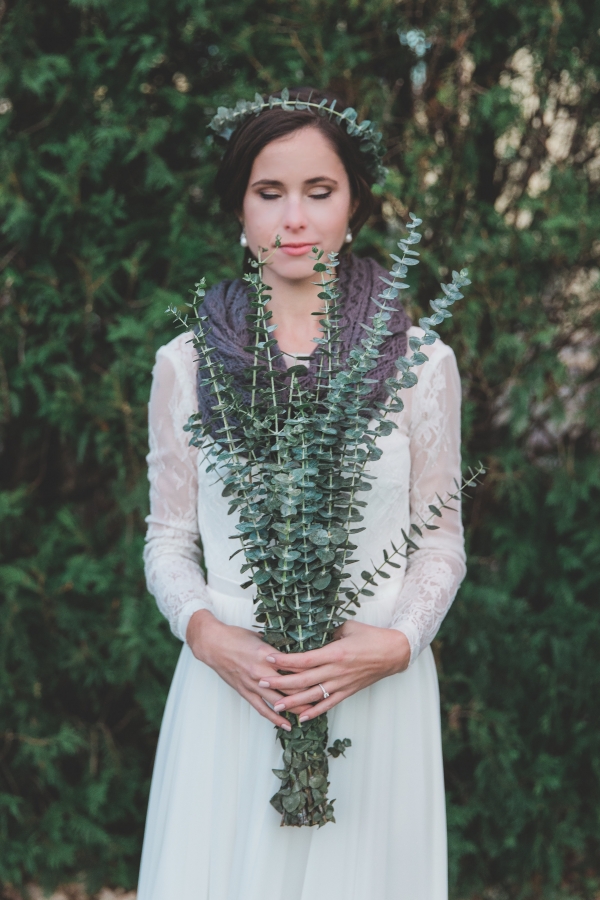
171, 554
435, 571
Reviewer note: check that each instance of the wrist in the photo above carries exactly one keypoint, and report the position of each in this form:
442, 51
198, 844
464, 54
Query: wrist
400, 650
200, 634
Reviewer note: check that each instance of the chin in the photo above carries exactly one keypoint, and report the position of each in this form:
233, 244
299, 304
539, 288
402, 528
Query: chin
294, 267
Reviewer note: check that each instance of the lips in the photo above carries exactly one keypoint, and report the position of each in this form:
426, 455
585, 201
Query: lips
296, 249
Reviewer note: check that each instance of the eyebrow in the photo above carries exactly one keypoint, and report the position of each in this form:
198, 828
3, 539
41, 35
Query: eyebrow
274, 183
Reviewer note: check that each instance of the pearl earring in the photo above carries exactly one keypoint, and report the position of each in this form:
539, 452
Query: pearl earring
348, 238
243, 239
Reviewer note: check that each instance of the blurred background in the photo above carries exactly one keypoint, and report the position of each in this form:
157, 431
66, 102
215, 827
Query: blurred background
491, 116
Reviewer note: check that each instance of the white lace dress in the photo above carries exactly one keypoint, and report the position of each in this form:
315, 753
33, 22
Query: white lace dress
211, 833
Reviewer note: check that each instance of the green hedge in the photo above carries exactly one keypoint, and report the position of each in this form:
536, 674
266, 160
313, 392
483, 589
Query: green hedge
109, 214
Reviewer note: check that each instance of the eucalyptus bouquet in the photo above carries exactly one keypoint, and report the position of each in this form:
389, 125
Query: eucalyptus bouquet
294, 463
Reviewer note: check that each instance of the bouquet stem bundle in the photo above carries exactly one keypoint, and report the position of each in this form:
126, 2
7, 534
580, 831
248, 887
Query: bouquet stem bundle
294, 463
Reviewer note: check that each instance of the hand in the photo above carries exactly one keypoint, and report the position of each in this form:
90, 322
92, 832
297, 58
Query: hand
239, 656
359, 656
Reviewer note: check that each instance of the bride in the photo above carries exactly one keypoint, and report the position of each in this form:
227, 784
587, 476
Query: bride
211, 833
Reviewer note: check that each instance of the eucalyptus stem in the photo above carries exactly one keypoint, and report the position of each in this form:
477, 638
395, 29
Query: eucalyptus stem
294, 461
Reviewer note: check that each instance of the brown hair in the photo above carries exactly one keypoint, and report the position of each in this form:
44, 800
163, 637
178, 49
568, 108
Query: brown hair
249, 139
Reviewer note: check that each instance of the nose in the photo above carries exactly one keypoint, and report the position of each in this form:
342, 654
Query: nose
294, 215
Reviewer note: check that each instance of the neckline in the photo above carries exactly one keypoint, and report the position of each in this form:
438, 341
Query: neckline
344, 263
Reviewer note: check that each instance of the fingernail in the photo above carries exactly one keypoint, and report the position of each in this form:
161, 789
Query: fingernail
279, 706
302, 718
286, 726
263, 683
270, 658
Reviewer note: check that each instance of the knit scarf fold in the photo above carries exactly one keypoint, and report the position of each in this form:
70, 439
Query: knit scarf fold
227, 305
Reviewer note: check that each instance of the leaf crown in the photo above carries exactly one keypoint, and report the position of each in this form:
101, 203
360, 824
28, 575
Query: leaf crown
226, 120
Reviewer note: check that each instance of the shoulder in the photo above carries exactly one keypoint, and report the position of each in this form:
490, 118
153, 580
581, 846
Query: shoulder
176, 361
180, 353
437, 393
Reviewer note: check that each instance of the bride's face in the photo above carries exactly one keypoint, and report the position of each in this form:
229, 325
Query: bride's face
298, 189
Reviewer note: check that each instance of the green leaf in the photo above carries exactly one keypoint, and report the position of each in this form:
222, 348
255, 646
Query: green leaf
292, 802
261, 577
321, 582
319, 537
326, 556
317, 781
409, 542
338, 536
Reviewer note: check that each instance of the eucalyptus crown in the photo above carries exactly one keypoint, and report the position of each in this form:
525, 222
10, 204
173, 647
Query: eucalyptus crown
225, 122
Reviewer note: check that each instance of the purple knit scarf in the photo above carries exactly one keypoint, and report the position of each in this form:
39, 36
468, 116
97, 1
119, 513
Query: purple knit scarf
227, 305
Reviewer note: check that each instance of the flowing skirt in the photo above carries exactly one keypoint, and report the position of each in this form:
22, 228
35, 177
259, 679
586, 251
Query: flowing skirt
211, 833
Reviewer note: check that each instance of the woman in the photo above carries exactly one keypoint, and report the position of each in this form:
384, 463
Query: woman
211, 833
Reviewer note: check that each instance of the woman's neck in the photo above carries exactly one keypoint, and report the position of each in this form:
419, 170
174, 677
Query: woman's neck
292, 304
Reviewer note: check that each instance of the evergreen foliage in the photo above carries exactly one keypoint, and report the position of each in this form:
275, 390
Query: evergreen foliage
109, 214
226, 121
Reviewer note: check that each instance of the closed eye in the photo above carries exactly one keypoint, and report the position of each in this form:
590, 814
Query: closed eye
268, 195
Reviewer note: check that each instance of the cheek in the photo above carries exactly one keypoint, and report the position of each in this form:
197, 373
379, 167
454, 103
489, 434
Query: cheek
338, 213
259, 217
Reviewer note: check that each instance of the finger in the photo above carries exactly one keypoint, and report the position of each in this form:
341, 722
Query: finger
270, 695
309, 697
324, 706
299, 710
307, 660
265, 710
301, 680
